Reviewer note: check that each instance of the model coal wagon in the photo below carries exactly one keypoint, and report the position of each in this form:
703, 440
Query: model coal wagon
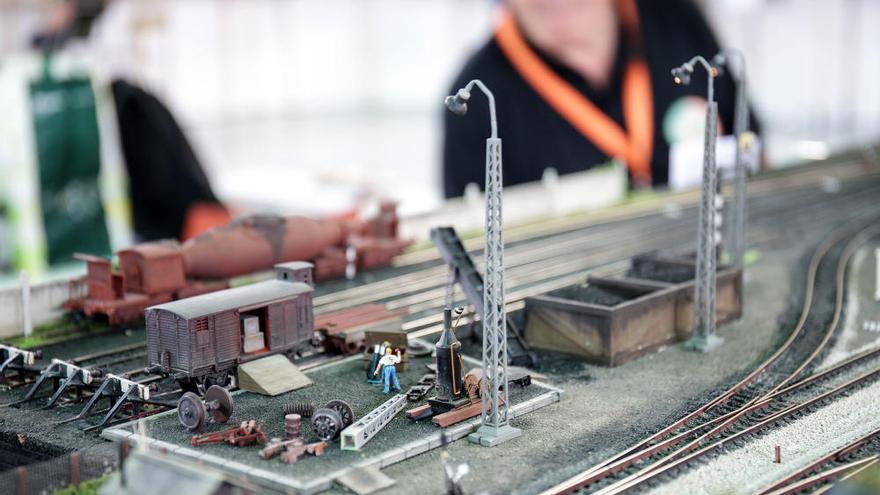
201, 340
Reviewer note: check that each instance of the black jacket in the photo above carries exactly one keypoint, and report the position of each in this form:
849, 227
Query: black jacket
535, 137
165, 176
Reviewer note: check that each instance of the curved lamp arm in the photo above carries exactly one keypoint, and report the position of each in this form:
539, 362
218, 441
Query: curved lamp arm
457, 104
682, 74
737, 69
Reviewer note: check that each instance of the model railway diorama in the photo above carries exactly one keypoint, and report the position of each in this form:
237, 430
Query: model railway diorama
632, 349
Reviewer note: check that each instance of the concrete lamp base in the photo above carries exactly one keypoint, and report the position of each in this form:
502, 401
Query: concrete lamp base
704, 344
489, 436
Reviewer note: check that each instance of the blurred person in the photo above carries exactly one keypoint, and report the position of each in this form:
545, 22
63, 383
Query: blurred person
89, 163
579, 82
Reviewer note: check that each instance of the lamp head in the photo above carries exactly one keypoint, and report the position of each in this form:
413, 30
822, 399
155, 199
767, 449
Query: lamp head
458, 104
682, 75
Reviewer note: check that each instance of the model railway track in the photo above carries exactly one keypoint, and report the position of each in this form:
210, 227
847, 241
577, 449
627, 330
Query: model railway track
761, 187
767, 197
546, 257
742, 432
580, 245
854, 455
572, 266
750, 398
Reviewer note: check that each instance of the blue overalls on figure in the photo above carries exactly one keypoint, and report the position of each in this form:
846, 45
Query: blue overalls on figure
389, 372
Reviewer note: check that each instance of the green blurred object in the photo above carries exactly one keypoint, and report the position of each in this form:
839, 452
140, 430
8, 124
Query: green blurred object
69, 157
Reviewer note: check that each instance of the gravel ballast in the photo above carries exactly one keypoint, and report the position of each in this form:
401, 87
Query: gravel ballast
751, 467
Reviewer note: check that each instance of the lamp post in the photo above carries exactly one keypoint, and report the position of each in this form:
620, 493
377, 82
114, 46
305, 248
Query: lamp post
735, 62
494, 422
704, 338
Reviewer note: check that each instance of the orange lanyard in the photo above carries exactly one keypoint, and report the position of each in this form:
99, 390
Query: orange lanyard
635, 147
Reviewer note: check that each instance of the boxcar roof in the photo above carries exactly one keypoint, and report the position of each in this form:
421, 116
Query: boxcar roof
255, 294
150, 250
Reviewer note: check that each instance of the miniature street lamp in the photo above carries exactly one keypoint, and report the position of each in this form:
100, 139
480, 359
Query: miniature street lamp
704, 338
744, 142
494, 426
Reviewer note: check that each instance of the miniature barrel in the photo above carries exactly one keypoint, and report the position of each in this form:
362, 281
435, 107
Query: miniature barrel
292, 426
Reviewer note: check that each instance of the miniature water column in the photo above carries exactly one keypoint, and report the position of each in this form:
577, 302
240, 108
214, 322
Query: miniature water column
494, 425
704, 338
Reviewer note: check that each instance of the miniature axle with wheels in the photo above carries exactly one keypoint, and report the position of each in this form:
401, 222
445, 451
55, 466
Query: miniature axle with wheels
192, 411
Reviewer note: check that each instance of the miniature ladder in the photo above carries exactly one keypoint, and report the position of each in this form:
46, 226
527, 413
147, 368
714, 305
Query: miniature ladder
355, 436
454, 254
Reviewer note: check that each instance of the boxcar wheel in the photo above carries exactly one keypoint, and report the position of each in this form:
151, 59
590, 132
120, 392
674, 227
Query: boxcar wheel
326, 424
191, 411
344, 410
220, 404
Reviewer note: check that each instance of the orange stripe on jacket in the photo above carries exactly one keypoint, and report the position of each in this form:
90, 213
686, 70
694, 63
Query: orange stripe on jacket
638, 103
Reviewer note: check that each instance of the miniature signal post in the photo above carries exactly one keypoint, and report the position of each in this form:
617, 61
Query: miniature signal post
704, 338
744, 142
495, 426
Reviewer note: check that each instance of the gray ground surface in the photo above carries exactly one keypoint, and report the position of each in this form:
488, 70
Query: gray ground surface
608, 409
604, 410
39, 426
749, 468
343, 380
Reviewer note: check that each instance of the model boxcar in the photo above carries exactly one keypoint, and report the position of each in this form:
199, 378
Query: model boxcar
202, 339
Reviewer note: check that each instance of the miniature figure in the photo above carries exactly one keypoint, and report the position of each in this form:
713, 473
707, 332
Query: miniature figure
373, 377
389, 372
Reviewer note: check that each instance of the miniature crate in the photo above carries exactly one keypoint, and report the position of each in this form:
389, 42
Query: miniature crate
653, 313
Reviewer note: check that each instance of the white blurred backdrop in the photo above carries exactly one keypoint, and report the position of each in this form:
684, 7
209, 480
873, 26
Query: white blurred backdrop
343, 97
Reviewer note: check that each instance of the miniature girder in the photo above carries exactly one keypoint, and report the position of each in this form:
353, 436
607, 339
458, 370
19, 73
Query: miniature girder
704, 289
357, 435
494, 412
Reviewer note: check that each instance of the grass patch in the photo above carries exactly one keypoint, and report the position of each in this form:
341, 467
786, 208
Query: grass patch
89, 487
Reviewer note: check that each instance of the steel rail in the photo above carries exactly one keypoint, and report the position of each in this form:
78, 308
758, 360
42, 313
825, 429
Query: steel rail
430, 324
635, 481
655, 443
765, 185
105, 353
766, 402
792, 479
776, 187
690, 448
846, 469
587, 262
